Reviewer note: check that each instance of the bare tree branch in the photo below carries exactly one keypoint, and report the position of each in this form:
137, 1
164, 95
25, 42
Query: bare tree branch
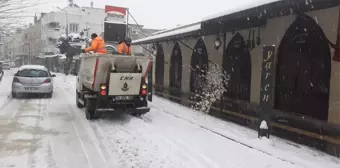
15, 7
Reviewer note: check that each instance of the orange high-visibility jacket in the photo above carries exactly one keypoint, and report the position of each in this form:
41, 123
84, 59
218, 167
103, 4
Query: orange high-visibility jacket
124, 49
97, 45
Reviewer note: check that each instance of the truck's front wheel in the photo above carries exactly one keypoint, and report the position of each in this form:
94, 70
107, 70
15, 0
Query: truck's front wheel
90, 109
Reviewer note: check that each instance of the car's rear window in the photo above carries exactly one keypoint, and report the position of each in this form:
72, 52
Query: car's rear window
32, 73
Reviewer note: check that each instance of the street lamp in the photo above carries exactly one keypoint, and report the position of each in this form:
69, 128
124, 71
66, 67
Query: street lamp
66, 21
217, 43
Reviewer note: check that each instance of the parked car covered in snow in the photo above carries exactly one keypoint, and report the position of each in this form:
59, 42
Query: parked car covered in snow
32, 79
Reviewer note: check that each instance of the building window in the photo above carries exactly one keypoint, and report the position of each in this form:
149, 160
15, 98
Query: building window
74, 27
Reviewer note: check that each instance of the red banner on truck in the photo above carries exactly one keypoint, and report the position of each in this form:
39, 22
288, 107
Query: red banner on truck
115, 14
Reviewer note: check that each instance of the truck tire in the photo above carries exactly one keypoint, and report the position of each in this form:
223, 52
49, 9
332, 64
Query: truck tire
145, 103
79, 105
90, 109
14, 95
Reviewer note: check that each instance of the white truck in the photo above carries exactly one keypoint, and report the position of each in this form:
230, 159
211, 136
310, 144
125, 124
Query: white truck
108, 83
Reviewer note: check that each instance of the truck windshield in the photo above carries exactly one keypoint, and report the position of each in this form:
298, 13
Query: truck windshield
32, 73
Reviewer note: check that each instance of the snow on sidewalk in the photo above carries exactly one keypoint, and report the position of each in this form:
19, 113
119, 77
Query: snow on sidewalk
192, 139
160, 140
280, 148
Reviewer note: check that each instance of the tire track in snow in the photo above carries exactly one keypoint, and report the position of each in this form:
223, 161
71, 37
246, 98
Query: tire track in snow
128, 154
42, 104
126, 149
6, 102
85, 152
217, 133
99, 147
15, 125
6, 130
4, 84
125, 138
13, 119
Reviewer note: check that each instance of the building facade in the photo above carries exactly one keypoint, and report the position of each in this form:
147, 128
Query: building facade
53, 24
41, 37
284, 60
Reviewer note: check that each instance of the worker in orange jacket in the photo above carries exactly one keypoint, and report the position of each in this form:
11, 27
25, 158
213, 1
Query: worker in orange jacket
97, 45
125, 47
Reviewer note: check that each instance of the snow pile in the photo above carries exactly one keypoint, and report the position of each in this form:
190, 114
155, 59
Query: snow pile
74, 39
264, 125
276, 148
213, 88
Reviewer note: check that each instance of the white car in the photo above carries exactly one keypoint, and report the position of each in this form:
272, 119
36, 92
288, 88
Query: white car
6, 66
32, 79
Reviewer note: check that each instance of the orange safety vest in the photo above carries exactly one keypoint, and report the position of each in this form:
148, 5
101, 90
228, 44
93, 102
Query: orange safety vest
124, 49
97, 45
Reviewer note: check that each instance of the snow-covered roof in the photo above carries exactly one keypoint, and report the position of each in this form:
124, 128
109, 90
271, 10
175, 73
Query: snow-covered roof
171, 32
39, 67
239, 8
197, 26
175, 28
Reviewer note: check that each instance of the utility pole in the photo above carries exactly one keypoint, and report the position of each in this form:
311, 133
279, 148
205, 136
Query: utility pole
127, 22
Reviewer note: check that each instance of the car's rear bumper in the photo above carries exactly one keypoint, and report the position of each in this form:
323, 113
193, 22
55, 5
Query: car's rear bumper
43, 88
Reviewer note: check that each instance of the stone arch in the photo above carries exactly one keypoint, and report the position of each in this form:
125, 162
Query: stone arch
176, 70
303, 70
199, 66
159, 78
237, 64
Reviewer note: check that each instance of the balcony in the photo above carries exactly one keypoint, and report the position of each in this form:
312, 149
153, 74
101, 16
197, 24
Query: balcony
53, 25
52, 34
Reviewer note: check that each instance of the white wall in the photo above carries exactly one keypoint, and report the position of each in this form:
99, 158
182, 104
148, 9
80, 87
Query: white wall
84, 17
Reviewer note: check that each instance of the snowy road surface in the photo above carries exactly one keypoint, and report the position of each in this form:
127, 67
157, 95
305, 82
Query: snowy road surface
53, 133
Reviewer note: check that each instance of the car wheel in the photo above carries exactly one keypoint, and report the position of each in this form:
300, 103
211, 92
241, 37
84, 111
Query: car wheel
79, 105
90, 109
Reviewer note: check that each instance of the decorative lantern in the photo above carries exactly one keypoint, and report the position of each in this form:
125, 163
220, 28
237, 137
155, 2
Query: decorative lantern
217, 43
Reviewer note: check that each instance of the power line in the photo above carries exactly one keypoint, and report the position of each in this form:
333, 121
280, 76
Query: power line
140, 27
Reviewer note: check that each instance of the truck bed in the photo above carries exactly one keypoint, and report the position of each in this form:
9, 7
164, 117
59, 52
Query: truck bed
95, 69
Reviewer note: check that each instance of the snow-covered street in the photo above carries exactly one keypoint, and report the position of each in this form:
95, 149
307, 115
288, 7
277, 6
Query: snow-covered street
53, 133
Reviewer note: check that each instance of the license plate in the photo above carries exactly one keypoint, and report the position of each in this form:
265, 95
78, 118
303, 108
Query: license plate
124, 98
31, 88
